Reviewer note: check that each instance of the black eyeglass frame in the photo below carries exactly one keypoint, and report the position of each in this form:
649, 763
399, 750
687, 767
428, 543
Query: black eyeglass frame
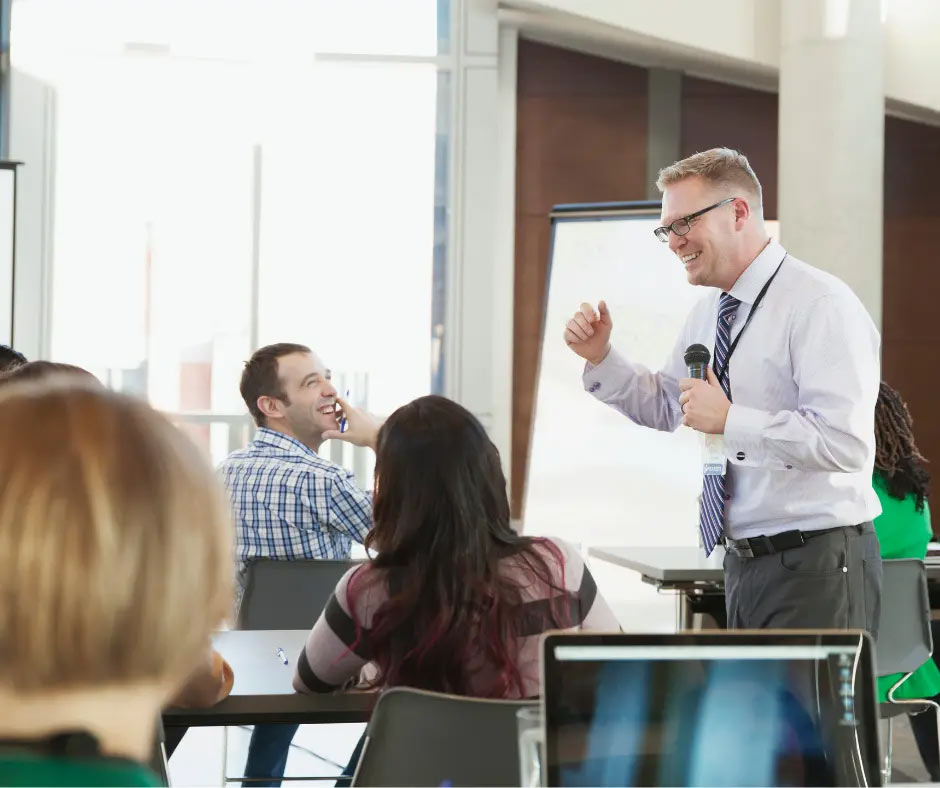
662, 233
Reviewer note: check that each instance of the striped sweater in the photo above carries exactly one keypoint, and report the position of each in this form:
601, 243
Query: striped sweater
333, 656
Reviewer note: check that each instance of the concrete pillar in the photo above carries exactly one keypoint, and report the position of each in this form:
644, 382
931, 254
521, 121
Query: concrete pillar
664, 129
477, 355
832, 139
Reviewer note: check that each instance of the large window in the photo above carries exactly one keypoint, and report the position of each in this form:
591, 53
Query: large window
229, 174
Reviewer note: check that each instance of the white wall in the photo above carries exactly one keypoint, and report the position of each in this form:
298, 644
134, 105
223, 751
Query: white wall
911, 54
742, 29
721, 37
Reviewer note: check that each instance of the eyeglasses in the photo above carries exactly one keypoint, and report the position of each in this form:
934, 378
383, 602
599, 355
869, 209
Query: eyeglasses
683, 225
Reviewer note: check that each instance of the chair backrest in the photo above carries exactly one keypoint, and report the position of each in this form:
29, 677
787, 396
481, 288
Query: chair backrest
416, 737
288, 594
904, 641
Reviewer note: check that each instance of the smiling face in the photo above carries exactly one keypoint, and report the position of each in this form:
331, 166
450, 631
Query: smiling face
308, 407
709, 250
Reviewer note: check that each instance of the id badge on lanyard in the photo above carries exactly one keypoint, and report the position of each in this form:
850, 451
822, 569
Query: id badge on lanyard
714, 462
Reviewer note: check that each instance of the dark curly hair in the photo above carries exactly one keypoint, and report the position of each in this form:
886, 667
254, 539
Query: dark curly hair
896, 454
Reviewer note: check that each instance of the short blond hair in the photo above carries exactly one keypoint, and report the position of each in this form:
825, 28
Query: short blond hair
115, 537
721, 167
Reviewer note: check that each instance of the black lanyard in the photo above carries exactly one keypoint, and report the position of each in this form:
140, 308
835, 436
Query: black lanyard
724, 370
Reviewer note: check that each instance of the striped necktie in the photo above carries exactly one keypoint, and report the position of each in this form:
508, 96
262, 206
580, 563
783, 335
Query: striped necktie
711, 519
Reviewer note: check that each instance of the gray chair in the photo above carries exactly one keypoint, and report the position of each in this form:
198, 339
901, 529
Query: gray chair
462, 741
904, 640
287, 594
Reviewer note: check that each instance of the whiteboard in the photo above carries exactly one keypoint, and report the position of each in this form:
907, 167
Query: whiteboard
595, 477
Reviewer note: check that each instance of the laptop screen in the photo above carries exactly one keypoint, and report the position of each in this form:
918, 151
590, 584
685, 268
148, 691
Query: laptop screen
724, 708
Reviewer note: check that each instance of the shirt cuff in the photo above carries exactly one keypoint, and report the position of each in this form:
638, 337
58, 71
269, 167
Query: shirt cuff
595, 377
743, 430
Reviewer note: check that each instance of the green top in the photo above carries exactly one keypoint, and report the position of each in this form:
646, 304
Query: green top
19, 767
903, 532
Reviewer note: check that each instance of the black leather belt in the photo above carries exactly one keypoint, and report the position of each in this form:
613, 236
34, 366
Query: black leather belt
756, 546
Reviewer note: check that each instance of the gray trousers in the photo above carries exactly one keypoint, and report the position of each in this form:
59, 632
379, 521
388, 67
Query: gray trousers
833, 581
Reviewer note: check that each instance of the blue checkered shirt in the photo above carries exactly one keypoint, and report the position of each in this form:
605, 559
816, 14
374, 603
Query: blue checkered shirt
290, 503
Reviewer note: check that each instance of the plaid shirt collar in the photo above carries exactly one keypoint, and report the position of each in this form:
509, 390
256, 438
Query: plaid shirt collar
268, 437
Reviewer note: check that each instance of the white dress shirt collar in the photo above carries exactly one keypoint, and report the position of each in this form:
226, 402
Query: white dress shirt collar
755, 276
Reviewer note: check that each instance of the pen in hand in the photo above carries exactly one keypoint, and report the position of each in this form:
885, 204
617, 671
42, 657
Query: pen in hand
342, 421
281, 655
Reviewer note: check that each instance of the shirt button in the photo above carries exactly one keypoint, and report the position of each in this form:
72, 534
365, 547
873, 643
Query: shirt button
789, 467
740, 455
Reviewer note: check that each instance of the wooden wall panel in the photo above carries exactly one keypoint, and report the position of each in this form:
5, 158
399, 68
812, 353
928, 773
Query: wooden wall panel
716, 115
581, 136
910, 329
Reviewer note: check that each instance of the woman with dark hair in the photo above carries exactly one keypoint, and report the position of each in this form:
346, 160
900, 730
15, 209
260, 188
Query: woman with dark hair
903, 528
454, 600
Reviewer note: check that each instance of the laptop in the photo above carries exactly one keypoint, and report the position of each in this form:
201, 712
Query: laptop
741, 708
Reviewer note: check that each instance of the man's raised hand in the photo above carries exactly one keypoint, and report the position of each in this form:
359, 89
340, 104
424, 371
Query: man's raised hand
588, 332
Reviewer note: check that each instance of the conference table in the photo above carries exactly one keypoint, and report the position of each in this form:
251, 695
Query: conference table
263, 692
687, 573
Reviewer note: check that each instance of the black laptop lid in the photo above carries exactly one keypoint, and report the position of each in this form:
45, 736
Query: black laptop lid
723, 708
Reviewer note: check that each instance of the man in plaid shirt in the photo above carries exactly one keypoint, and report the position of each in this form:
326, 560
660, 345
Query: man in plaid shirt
288, 502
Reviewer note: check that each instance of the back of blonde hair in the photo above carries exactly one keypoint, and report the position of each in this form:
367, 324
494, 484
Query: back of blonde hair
115, 537
723, 168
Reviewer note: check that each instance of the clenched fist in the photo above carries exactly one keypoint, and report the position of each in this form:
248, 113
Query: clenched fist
588, 332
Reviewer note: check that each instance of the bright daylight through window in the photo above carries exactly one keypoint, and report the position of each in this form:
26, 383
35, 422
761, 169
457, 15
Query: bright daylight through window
230, 174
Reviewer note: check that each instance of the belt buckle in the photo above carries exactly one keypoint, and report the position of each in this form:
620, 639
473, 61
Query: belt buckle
741, 548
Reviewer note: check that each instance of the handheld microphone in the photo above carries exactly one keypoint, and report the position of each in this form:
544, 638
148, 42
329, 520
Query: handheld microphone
696, 359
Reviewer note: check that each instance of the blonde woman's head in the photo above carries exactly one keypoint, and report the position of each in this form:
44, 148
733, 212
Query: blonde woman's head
115, 537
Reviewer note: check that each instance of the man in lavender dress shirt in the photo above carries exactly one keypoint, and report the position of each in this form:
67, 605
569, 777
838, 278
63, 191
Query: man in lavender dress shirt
793, 399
